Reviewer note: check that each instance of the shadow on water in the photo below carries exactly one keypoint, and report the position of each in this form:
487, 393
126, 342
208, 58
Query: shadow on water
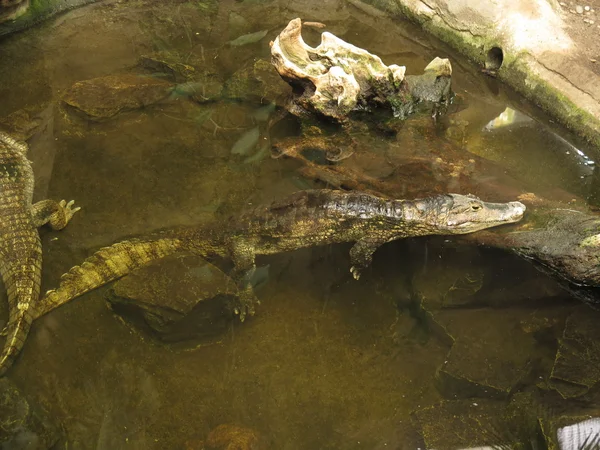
438, 345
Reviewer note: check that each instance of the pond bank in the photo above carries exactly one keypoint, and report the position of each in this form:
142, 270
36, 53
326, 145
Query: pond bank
537, 48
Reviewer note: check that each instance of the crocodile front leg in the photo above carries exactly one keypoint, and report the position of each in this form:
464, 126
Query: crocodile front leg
57, 215
243, 257
361, 255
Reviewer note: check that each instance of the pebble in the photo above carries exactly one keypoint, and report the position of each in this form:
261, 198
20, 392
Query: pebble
579, 9
587, 8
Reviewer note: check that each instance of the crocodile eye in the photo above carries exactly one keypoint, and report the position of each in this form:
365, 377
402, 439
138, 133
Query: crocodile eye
475, 207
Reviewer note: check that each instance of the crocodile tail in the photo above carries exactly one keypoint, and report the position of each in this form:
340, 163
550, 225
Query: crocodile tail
16, 333
22, 281
106, 265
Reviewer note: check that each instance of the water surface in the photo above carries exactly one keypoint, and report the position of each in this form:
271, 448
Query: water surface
328, 362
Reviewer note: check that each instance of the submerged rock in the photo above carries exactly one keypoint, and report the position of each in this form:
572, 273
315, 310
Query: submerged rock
490, 356
256, 81
577, 365
234, 437
176, 298
22, 425
561, 241
195, 79
17, 15
336, 78
464, 424
104, 97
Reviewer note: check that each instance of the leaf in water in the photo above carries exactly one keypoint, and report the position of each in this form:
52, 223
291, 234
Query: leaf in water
262, 114
259, 155
248, 38
188, 88
211, 207
246, 142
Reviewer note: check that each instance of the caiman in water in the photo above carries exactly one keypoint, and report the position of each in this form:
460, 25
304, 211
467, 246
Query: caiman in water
20, 246
305, 219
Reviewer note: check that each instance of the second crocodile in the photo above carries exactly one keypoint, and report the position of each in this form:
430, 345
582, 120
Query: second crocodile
20, 246
305, 219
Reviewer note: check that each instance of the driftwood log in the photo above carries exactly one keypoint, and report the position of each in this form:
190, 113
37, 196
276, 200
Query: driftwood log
336, 78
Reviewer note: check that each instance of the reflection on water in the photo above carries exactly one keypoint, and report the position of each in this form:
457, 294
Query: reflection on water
438, 345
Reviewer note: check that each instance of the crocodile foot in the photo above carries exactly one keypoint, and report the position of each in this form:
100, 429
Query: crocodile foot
68, 210
356, 271
246, 302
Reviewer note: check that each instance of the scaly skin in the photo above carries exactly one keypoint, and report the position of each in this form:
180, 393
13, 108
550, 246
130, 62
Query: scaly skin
305, 219
20, 246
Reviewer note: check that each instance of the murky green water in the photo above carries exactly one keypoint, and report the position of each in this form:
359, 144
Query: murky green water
328, 362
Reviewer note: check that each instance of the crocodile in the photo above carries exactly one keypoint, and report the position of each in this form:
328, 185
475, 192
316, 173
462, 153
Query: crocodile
20, 245
305, 219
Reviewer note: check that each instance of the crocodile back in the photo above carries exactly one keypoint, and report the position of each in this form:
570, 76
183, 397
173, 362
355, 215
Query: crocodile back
20, 247
314, 217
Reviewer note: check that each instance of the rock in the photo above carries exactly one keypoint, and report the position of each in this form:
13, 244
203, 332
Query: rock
11, 9
234, 437
104, 97
579, 9
17, 15
563, 241
22, 425
489, 357
461, 424
176, 298
336, 78
577, 365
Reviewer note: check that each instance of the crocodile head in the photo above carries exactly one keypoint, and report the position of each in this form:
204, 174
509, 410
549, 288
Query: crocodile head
461, 214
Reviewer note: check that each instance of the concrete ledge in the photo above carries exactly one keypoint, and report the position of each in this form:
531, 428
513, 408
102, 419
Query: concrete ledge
539, 59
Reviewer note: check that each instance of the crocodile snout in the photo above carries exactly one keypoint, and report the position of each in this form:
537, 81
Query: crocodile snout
516, 211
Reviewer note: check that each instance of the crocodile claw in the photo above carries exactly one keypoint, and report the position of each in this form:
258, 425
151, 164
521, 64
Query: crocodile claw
247, 301
68, 209
355, 272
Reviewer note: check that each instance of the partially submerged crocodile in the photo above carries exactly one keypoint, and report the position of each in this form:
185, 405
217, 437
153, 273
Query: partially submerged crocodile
20, 246
305, 219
